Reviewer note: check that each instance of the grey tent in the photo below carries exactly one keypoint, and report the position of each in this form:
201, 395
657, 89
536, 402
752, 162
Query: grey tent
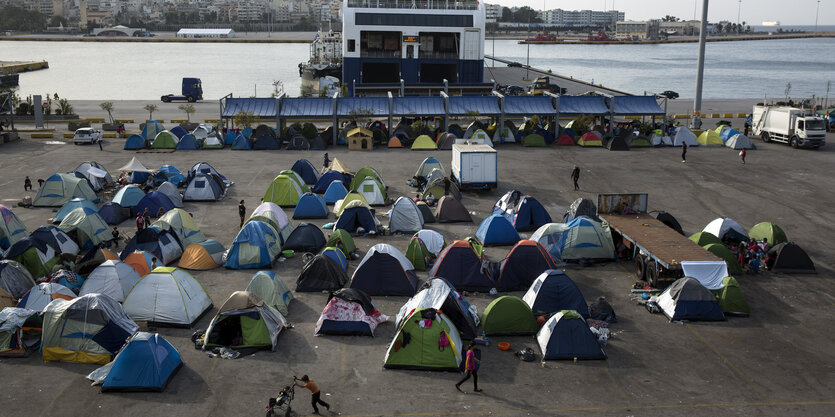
450, 210
405, 216
426, 212
581, 207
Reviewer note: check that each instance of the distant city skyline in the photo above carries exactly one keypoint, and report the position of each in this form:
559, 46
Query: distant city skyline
754, 12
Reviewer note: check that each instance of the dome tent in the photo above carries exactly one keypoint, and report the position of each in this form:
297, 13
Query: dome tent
524, 212
349, 312
255, 246
439, 294
72, 205
306, 237
496, 230
508, 316
725, 254
770, 231
89, 229
15, 279
337, 255
170, 190
167, 296
11, 228
37, 257
418, 255
311, 206
421, 349
549, 236
357, 215
306, 171
182, 225
135, 142
336, 191
405, 216
113, 213
154, 201
731, 299
553, 291
566, 335
283, 191
129, 196
96, 175
39, 296
203, 255
789, 258
56, 238
462, 267
143, 262
146, 363
321, 273
274, 217
329, 177
112, 278
687, 299
450, 210
523, 264
271, 289
385, 271
162, 244
684, 135
586, 239
58, 189
245, 322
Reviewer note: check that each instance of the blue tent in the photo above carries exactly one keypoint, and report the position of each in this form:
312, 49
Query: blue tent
336, 191
135, 142
311, 206
153, 201
356, 217
129, 196
151, 129
728, 133
146, 363
247, 132
305, 237
254, 235
163, 244
336, 255
496, 231
188, 143
179, 131
137, 177
230, 137
73, 204
113, 213
567, 336
265, 142
522, 211
461, 266
522, 265
546, 134
171, 174
241, 143
385, 271
554, 291
324, 182
307, 171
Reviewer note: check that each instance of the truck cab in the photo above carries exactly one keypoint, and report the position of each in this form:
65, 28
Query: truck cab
543, 84
796, 127
191, 91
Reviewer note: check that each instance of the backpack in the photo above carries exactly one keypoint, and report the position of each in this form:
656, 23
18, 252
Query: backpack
443, 341
477, 355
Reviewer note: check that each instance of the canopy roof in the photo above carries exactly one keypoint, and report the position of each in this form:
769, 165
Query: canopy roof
260, 107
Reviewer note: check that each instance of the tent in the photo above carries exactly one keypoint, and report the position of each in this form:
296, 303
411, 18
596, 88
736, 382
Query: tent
59, 240
617, 143
789, 258
112, 278
266, 142
167, 296
165, 140
135, 142
395, 142
524, 212
439, 294
204, 187
335, 192
740, 141
135, 166
581, 207
726, 228
426, 212
325, 181
11, 228
669, 221
113, 213
709, 137
337, 255
306, 237
658, 138
446, 140
321, 273
586, 239
590, 139
170, 190
357, 215
337, 165
437, 190
306, 171
349, 312
39, 296
342, 240
418, 347
704, 238
179, 131
311, 206
553, 291
15, 280
213, 141
418, 255
770, 231
462, 267
241, 143
143, 262
96, 175
480, 137
373, 192
72, 205
202, 255
151, 129
533, 140
424, 143
153, 201
146, 363
495, 230
525, 261
549, 235
169, 173
283, 191
450, 210
88, 228
405, 216
87, 329
255, 246
385, 271
426, 167
643, 142
433, 240
61, 188
361, 176
182, 225
456, 130
162, 244
13, 342
188, 143
508, 316
687, 299
230, 137
129, 196
274, 216
205, 168
271, 289
245, 322
565, 336
37, 257
684, 135
727, 134
731, 299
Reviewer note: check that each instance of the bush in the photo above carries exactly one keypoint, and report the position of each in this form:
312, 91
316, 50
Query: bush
24, 109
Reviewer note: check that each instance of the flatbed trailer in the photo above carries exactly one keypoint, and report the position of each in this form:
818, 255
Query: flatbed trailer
657, 249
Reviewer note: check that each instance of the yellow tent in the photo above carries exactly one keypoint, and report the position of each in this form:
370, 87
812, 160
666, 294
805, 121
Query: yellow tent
424, 143
709, 137
338, 166
203, 255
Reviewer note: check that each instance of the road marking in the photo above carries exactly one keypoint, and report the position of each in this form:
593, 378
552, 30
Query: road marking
616, 384
211, 372
255, 176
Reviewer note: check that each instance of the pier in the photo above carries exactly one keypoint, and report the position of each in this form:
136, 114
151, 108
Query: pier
9, 67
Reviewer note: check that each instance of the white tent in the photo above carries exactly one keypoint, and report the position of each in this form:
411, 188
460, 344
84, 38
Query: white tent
42, 294
433, 240
170, 190
95, 174
135, 166
388, 250
726, 226
657, 140
112, 278
405, 216
167, 296
685, 135
370, 189
739, 141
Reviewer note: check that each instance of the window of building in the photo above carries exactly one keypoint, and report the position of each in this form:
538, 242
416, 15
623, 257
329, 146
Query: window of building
352, 45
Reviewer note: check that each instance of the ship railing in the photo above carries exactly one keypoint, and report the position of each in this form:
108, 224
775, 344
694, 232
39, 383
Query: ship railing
438, 55
380, 54
409, 4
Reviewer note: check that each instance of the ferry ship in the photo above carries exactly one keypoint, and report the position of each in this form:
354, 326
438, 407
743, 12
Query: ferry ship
324, 68
412, 43
772, 23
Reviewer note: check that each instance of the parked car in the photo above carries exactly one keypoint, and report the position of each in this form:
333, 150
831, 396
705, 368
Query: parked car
515, 65
85, 135
514, 90
670, 94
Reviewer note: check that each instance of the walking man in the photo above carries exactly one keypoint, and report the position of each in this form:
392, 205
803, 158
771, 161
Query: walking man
101, 138
242, 212
27, 184
683, 151
472, 364
575, 176
447, 183
140, 222
315, 399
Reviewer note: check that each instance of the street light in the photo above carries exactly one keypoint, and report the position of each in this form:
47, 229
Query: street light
697, 102
739, 9
817, 11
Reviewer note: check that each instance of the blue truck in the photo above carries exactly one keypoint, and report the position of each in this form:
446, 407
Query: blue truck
192, 91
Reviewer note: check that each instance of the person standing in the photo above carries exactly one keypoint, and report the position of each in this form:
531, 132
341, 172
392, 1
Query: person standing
146, 217
575, 176
242, 212
683, 151
115, 234
327, 162
27, 184
140, 222
315, 399
742, 156
101, 138
471, 366
447, 184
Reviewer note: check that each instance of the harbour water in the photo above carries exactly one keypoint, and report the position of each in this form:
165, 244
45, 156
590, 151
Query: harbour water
145, 71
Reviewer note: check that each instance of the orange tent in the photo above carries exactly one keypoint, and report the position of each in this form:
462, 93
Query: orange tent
143, 262
394, 142
110, 256
565, 140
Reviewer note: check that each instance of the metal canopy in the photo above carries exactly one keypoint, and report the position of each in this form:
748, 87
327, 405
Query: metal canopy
418, 106
637, 105
260, 107
475, 105
528, 106
307, 107
362, 106
571, 105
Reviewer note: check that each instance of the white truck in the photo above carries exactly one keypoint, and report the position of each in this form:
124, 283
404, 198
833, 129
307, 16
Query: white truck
475, 166
799, 128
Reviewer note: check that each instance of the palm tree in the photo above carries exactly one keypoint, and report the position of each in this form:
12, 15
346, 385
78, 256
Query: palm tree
150, 108
188, 108
108, 107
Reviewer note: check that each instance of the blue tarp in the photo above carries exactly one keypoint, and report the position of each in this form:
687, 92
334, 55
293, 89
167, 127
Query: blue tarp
570, 105
496, 230
260, 107
146, 363
351, 106
418, 106
528, 105
307, 107
482, 105
643, 105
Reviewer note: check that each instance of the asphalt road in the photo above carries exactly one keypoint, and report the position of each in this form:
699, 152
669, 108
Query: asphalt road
780, 361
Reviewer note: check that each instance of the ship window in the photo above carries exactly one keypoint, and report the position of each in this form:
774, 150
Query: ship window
437, 73
399, 19
352, 45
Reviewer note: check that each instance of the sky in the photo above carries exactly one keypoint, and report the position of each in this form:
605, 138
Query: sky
754, 12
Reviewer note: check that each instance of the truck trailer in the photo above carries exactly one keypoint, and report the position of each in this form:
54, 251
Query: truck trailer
797, 127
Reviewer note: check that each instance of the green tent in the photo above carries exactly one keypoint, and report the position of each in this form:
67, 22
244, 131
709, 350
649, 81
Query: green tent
704, 238
731, 299
33, 260
721, 251
533, 140
296, 178
342, 240
418, 255
245, 321
422, 348
476, 244
640, 142
341, 205
359, 177
271, 289
165, 140
283, 191
508, 315
770, 231
424, 143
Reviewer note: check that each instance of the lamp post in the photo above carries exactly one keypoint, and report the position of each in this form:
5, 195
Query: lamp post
817, 11
697, 103
738, 11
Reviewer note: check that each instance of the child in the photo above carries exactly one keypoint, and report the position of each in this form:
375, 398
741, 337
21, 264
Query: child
315, 399
283, 395
115, 234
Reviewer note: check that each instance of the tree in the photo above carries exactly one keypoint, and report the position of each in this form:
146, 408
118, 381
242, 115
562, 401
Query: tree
188, 108
22, 20
244, 119
669, 18
788, 90
64, 107
507, 14
150, 108
57, 21
108, 107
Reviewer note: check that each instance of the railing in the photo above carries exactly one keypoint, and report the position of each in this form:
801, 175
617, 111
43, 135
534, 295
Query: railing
417, 4
380, 54
438, 55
